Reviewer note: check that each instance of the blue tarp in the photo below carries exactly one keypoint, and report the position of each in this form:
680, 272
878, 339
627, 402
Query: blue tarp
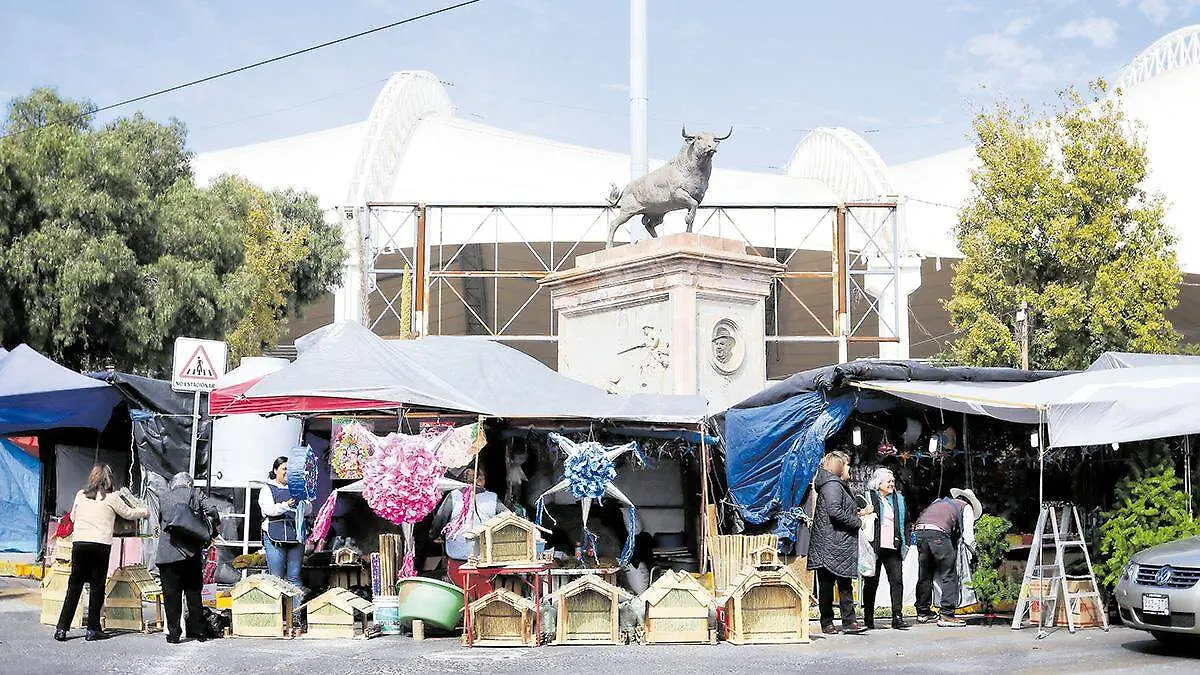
772, 453
20, 479
37, 393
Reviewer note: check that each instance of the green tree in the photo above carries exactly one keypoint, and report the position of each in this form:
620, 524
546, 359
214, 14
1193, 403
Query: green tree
1060, 220
1151, 509
108, 250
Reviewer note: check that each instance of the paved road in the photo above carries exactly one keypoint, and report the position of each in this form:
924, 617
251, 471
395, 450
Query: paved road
27, 647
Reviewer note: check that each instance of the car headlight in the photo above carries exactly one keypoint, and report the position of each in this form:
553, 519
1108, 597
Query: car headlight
1130, 571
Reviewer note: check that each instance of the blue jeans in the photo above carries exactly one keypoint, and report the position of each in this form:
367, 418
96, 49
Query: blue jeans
284, 560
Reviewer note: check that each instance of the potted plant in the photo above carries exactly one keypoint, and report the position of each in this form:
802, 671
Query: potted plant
994, 590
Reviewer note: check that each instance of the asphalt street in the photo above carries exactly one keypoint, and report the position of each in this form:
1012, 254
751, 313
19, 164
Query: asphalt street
26, 647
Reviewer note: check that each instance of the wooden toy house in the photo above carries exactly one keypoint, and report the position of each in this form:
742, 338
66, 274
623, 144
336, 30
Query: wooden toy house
338, 613
133, 600
505, 539
54, 592
263, 606
502, 619
587, 612
766, 606
678, 610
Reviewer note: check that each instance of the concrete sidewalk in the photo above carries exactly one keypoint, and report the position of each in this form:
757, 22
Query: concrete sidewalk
27, 647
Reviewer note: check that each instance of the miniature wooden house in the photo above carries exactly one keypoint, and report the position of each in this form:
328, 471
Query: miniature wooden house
133, 600
587, 612
766, 606
678, 610
263, 606
764, 556
54, 593
347, 556
502, 619
338, 613
505, 539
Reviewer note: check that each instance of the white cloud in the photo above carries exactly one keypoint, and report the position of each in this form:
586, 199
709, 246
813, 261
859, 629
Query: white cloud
1007, 61
1100, 31
1155, 10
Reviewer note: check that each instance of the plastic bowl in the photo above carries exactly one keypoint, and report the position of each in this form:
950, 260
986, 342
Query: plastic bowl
434, 602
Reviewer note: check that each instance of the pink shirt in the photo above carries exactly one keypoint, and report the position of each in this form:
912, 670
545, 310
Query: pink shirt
887, 524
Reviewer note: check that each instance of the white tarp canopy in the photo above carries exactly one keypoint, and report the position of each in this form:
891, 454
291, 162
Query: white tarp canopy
1094, 407
346, 360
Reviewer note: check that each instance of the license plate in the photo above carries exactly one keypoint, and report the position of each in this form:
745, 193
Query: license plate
1155, 603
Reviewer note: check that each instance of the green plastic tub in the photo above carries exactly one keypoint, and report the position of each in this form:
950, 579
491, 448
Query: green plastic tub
434, 602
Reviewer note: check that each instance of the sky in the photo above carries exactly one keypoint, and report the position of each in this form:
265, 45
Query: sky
908, 75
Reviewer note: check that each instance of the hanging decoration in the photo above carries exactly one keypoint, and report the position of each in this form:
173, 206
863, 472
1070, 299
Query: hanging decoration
352, 444
588, 473
461, 444
324, 518
404, 482
302, 481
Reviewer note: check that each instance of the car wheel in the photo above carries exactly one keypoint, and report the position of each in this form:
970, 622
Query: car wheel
1172, 639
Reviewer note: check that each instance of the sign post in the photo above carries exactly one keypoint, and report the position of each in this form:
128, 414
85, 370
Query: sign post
197, 366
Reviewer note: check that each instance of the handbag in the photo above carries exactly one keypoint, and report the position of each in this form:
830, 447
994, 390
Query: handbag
184, 520
65, 528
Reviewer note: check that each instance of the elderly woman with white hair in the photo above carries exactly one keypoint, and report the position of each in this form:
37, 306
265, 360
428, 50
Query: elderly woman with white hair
188, 523
889, 543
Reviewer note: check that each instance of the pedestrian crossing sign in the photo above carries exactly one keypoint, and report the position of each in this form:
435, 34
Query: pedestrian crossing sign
198, 364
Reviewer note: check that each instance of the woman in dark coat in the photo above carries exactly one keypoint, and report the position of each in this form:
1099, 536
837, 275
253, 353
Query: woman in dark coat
180, 565
833, 546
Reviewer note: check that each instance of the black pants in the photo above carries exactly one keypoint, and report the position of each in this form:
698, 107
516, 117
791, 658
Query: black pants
182, 581
89, 565
937, 558
889, 560
825, 583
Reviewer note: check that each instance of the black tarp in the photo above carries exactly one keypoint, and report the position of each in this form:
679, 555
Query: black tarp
162, 423
833, 378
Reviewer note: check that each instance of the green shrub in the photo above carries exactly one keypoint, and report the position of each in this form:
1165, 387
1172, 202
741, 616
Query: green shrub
990, 585
1150, 510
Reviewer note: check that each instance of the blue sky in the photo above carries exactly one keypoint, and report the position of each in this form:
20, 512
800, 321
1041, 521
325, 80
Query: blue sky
907, 74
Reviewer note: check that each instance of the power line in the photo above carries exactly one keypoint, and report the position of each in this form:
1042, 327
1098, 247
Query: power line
250, 66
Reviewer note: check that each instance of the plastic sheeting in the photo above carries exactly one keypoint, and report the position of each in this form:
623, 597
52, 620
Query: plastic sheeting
38, 394
772, 453
1114, 360
348, 361
162, 423
20, 487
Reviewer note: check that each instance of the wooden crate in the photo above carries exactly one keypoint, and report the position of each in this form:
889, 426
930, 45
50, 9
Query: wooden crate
587, 612
133, 600
263, 606
54, 592
677, 610
505, 539
338, 613
1085, 612
502, 619
767, 606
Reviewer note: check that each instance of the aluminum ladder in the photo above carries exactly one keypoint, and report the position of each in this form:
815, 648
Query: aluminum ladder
1047, 585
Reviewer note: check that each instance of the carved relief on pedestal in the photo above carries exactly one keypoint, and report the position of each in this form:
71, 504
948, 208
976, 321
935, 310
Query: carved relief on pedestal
651, 358
728, 349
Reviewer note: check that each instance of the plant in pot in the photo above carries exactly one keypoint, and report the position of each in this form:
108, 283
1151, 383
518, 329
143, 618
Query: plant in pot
992, 586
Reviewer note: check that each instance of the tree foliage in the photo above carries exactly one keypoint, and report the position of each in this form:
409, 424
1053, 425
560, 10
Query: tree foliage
1060, 220
1151, 510
108, 250
988, 580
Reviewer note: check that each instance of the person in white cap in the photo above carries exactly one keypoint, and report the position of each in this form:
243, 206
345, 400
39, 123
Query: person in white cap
941, 528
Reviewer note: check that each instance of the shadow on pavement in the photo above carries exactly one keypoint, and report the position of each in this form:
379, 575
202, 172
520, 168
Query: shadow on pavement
1152, 647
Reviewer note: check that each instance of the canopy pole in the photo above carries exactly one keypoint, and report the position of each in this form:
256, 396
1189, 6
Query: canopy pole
1041, 463
703, 495
195, 433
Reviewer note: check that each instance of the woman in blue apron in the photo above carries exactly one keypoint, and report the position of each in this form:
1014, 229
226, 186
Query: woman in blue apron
281, 537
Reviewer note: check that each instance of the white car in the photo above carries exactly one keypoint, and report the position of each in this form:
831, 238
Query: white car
1159, 591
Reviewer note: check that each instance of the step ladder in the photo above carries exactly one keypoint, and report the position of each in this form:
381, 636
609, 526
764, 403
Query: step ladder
1048, 584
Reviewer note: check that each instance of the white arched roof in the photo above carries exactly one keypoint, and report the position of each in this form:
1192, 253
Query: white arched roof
1161, 89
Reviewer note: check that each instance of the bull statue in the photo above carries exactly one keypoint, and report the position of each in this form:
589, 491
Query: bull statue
678, 184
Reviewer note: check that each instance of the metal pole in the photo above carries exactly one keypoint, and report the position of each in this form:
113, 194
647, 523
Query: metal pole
703, 496
840, 284
639, 154
420, 274
195, 433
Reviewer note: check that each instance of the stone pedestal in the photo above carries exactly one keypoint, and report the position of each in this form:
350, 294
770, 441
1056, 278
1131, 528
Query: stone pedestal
683, 314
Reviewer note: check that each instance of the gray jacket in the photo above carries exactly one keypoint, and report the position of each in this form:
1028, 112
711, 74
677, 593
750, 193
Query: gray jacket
171, 550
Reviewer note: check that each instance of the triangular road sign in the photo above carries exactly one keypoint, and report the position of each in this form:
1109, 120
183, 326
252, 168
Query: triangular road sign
199, 366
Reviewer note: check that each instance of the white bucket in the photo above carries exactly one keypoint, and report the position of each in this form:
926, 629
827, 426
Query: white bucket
387, 614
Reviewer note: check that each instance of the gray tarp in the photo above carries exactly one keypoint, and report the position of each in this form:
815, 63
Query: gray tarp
1089, 408
346, 360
